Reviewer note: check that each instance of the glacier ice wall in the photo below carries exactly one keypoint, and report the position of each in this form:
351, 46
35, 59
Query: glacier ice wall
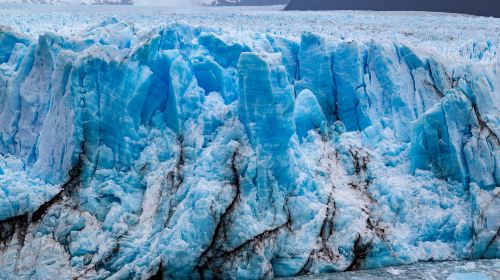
192, 152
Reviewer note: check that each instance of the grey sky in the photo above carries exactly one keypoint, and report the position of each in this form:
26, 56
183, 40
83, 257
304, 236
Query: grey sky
476, 7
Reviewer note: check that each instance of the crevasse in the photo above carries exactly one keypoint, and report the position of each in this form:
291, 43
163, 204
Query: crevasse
188, 152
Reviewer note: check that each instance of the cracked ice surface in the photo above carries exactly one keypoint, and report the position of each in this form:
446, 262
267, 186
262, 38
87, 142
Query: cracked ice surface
143, 146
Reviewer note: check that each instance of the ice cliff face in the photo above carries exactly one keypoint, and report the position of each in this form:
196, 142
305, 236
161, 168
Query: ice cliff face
189, 152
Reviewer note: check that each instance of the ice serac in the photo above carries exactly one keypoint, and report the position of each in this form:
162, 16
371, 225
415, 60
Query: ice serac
315, 71
349, 67
190, 152
266, 102
451, 141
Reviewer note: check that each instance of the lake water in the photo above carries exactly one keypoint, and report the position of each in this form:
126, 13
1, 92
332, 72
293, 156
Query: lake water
461, 270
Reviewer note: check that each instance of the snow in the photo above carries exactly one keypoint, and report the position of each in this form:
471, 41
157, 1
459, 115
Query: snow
230, 143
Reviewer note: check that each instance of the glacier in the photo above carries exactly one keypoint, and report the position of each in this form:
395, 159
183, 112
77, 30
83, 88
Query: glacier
185, 150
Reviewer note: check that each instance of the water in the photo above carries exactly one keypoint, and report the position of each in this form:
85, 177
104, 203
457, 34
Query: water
461, 270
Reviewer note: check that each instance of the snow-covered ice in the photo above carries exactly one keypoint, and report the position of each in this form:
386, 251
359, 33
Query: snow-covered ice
229, 143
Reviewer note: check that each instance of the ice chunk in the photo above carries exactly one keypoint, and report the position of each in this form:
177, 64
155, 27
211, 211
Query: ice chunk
308, 114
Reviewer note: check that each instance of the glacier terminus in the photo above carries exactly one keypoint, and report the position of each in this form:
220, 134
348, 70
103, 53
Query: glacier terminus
145, 144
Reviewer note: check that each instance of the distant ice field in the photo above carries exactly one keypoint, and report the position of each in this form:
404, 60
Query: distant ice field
436, 33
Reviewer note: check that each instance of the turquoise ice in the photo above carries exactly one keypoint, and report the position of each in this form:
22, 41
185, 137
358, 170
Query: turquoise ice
190, 151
